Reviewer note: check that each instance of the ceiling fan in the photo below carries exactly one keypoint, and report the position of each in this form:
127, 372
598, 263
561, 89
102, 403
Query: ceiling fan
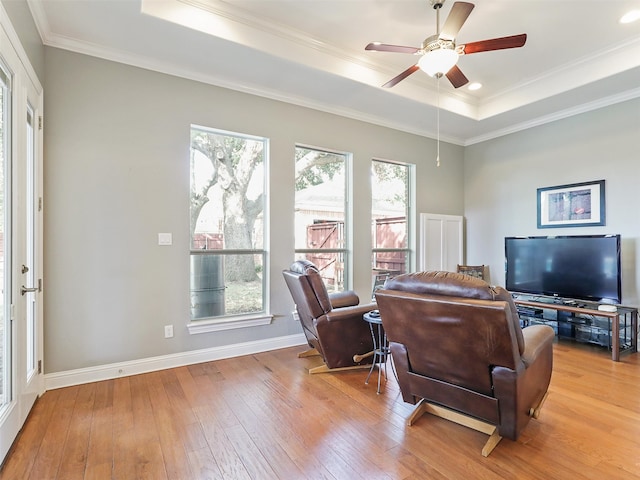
439, 53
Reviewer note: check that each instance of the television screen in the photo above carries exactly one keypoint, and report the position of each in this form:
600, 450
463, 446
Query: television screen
583, 267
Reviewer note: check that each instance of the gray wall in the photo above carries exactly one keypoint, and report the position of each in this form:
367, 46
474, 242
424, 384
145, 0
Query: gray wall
501, 178
117, 174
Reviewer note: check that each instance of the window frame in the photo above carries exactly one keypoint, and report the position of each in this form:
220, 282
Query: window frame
347, 249
409, 250
250, 319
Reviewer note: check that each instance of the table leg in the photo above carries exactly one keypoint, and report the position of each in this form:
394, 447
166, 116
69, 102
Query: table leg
634, 330
615, 338
382, 355
375, 349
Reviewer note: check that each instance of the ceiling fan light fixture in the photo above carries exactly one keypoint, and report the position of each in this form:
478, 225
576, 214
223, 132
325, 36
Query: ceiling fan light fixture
438, 62
630, 17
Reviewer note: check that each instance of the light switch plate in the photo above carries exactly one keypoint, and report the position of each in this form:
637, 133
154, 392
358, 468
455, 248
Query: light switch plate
165, 239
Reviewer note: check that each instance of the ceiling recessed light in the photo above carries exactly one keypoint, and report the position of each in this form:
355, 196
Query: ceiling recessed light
630, 17
475, 86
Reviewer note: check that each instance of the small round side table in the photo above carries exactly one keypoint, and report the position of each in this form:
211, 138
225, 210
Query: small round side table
380, 345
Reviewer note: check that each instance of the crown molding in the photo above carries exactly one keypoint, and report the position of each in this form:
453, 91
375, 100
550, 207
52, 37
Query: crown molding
569, 112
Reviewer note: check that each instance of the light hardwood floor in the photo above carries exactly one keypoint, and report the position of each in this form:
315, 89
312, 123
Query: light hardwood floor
263, 417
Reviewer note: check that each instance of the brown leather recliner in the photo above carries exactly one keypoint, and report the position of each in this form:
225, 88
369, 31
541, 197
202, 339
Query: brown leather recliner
460, 352
333, 324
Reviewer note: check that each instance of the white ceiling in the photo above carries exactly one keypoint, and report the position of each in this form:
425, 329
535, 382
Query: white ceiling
311, 52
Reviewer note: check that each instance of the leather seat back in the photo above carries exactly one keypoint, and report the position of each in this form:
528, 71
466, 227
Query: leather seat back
455, 328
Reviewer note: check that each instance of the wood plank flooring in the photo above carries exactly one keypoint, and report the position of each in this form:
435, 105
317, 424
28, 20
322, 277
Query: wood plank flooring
263, 417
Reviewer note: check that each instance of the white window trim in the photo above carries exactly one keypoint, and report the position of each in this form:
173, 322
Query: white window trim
411, 207
253, 319
347, 251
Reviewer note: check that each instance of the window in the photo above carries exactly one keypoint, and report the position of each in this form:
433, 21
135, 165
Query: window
321, 227
227, 213
390, 220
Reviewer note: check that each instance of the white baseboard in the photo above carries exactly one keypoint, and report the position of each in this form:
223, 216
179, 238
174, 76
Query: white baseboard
151, 364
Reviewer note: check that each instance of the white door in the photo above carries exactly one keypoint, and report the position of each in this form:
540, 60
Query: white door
20, 241
441, 242
28, 304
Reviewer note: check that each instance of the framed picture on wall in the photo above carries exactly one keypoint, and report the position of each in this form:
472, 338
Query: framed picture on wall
573, 205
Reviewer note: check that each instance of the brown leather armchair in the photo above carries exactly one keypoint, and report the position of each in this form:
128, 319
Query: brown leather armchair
461, 354
333, 324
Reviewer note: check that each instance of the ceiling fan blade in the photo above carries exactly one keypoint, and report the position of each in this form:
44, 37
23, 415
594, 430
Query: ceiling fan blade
398, 78
513, 41
457, 16
456, 77
382, 47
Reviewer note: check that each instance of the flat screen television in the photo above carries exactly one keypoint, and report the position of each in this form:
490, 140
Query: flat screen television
584, 267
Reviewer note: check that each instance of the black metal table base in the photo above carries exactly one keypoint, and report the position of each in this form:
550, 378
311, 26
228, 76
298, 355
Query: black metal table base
381, 349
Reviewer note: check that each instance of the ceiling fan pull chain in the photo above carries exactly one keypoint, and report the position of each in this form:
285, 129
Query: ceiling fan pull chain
438, 126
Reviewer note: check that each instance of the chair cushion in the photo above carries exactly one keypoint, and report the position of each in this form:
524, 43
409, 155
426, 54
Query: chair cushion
346, 298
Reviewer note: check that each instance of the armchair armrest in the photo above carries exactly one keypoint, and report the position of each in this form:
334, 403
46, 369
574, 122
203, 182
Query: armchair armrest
536, 339
348, 298
347, 313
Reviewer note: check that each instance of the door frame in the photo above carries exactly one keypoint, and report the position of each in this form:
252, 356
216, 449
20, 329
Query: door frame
25, 90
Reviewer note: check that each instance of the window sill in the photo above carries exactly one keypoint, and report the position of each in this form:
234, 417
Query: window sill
228, 323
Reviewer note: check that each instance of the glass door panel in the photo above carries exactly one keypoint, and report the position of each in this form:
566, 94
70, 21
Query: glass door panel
5, 247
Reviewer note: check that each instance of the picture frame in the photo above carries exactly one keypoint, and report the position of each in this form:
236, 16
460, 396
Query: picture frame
572, 205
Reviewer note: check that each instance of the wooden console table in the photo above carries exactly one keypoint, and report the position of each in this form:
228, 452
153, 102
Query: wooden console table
580, 309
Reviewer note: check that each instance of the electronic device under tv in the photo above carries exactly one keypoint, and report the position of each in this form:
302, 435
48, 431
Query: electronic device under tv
584, 267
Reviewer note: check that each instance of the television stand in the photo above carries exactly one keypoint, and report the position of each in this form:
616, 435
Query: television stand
582, 322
